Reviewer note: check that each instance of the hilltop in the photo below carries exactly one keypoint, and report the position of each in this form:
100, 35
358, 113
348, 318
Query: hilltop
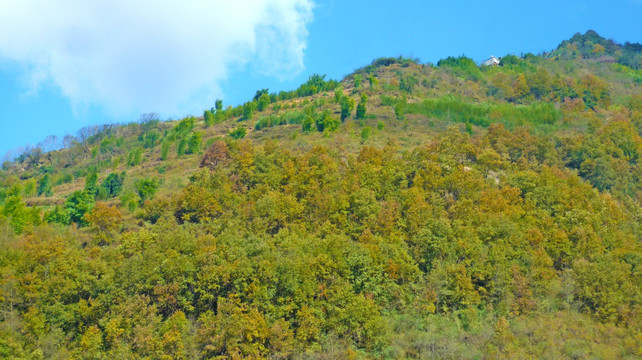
408, 210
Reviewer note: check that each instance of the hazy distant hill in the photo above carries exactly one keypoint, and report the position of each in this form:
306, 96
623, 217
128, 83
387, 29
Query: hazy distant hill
407, 211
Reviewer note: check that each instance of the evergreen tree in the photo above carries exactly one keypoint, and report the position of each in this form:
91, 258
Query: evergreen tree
44, 186
208, 118
248, 110
77, 205
346, 104
91, 183
263, 101
194, 143
361, 108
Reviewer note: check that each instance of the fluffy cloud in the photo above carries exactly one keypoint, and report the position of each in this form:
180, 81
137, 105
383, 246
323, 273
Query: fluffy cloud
166, 56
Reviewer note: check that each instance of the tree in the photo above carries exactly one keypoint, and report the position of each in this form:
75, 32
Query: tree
373, 80
346, 104
91, 183
399, 109
358, 78
338, 94
218, 105
150, 139
361, 108
194, 143
104, 220
180, 148
263, 101
598, 49
44, 186
146, 189
208, 118
135, 156
18, 213
185, 125
112, 185
216, 154
165, 150
260, 93
248, 110
77, 205
57, 215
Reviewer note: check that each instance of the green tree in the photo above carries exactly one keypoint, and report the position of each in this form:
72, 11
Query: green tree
150, 139
338, 94
20, 216
218, 105
248, 110
399, 108
194, 143
112, 185
135, 157
358, 79
365, 133
146, 189
165, 150
91, 183
361, 108
181, 147
263, 101
77, 205
185, 125
208, 118
44, 186
373, 80
346, 104
57, 215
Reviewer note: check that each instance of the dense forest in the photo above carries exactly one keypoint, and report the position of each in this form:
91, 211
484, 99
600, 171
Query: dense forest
408, 211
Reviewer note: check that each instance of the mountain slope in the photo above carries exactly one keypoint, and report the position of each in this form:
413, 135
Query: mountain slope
407, 211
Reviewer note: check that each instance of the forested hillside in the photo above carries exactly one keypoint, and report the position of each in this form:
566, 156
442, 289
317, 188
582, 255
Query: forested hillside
408, 211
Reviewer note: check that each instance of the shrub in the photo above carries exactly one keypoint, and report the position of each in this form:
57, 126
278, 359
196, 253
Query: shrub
365, 133
462, 66
326, 122
238, 133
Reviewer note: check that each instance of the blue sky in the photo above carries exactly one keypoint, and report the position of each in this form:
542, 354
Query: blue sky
75, 63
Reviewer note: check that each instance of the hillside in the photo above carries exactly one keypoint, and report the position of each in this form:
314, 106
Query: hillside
407, 211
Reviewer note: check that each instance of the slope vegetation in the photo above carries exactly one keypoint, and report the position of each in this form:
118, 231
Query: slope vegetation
408, 211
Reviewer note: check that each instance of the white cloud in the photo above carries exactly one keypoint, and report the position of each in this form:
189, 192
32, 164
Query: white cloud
150, 55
